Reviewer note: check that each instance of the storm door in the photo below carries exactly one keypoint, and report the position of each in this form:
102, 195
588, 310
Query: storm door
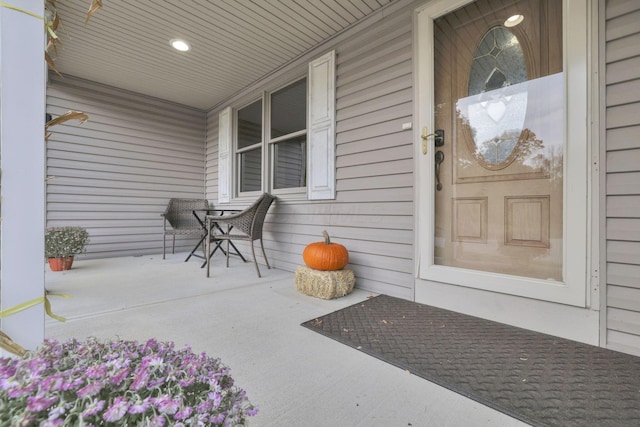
499, 115
499, 97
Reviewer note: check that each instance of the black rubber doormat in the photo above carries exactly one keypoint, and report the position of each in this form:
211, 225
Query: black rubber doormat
540, 379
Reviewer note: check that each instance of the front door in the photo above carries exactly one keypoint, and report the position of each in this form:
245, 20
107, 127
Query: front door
499, 164
502, 146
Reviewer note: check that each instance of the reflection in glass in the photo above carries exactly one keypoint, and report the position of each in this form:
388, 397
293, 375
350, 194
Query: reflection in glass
529, 125
250, 125
289, 163
250, 170
289, 109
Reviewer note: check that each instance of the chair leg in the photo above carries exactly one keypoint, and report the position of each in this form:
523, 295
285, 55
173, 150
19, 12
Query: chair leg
207, 247
164, 245
255, 261
228, 240
173, 250
264, 254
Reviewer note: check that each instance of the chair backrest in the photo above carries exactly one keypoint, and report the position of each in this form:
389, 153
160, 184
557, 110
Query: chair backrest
251, 219
179, 213
261, 212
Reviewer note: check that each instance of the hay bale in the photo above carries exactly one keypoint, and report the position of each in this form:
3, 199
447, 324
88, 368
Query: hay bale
324, 284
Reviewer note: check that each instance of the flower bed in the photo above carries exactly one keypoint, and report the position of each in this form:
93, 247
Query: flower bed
120, 382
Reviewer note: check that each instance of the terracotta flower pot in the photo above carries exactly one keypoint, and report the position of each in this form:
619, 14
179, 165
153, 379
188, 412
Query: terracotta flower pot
60, 264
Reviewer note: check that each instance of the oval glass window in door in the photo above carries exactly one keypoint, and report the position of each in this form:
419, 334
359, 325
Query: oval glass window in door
496, 106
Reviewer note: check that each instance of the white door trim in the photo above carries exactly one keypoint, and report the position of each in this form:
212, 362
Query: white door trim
577, 50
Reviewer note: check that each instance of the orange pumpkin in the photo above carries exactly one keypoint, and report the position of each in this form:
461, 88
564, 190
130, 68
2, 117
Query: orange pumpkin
325, 255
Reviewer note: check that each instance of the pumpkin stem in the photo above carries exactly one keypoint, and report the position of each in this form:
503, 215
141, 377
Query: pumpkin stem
327, 241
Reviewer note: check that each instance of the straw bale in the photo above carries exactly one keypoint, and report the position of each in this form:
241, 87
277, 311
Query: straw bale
324, 284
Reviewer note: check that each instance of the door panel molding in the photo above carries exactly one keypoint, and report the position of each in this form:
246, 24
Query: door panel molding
527, 221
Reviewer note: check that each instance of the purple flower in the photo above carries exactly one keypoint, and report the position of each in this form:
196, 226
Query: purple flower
117, 410
73, 384
95, 372
157, 421
56, 413
139, 407
36, 366
18, 392
184, 414
94, 407
8, 384
166, 405
121, 382
90, 390
54, 382
205, 406
119, 376
218, 419
141, 379
251, 411
187, 382
216, 397
40, 403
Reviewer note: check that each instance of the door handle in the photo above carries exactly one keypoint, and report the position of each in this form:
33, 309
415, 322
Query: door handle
438, 138
425, 136
439, 158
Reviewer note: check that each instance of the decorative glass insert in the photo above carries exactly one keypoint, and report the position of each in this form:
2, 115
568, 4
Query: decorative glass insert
496, 106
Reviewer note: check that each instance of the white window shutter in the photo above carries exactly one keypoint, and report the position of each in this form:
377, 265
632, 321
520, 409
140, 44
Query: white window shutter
321, 132
224, 156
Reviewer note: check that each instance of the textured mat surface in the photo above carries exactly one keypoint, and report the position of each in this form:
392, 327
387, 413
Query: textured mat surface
537, 378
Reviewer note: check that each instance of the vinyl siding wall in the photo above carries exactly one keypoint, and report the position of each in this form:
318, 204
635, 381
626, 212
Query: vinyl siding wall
373, 213
623, 174
115, 173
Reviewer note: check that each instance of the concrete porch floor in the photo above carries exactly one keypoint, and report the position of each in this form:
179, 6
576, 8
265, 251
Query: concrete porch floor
296, 377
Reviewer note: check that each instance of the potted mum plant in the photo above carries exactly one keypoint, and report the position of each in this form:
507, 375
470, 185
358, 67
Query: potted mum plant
61, 244
119, 383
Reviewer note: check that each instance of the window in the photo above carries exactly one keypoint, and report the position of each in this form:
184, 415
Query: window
287, 141
288, 136
283, 142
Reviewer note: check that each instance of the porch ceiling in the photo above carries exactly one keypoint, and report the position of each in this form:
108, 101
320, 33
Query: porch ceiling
233, 42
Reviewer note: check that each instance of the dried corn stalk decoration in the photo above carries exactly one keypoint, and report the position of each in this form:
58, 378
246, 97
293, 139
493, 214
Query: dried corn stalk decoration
95, 5
52, 22
51, 26
6, 343
69, 115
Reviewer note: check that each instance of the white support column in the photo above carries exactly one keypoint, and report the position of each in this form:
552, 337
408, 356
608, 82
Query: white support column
22, 159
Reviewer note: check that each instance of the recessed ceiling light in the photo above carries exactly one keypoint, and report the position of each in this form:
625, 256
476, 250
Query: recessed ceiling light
180, 45
514, 20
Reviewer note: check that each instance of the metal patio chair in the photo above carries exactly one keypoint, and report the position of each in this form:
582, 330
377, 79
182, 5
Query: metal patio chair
249, 222
179, 215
